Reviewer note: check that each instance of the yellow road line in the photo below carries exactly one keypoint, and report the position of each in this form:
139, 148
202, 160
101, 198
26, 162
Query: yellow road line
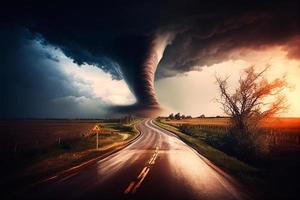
153, 160
142, 175
129, 187
149, 162
142, 172
140, 182
47, 179
67, 177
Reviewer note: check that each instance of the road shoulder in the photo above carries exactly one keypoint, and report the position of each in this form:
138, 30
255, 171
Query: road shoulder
238, 173
24, 182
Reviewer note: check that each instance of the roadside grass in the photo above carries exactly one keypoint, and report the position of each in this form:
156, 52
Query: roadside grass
237, 168
29, 167
270, 175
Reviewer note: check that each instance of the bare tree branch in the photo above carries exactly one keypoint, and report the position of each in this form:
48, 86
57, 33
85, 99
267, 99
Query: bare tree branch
247, 106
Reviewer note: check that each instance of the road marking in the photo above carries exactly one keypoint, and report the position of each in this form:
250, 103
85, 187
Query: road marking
132, 187
129, 187
142, 172
149, 162
67, 177
47, 179
153, 160
140, 182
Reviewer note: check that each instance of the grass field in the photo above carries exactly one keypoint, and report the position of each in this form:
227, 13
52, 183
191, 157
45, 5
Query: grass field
24, 134
280, 133
292, 123
226, 162
32, 160
273, 174
199, 121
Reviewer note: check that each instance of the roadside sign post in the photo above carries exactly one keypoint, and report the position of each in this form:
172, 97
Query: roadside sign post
97, 142
97, 129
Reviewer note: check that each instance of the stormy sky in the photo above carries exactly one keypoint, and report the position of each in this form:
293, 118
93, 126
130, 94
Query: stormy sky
131, 42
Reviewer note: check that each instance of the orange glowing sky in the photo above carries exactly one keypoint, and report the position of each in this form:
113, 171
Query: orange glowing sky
194, 92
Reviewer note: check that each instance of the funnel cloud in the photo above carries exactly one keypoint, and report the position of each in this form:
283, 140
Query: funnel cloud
141, 41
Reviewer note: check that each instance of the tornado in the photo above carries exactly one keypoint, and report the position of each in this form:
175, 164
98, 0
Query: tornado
140, 76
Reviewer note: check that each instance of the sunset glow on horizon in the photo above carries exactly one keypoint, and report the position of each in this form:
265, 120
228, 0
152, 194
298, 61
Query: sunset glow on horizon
194, 92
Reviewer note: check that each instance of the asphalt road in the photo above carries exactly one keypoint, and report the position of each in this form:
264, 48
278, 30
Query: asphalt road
157, 165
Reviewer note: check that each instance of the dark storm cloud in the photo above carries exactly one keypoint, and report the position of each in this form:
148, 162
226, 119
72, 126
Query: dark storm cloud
293, 48
34, 85
117, 35
211, 40
119, 31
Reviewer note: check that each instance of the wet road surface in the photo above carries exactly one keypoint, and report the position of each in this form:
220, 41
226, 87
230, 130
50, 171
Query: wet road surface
157, 165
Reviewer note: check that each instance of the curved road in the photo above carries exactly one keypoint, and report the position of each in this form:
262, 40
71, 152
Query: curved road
157, 165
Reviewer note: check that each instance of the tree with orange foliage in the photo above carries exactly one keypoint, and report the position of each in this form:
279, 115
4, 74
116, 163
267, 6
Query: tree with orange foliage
253, 100
248, 103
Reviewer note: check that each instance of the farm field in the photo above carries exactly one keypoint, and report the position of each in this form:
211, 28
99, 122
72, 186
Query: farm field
24, 134
34, 149
280, 133
199, 121
293, 123
277, 167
